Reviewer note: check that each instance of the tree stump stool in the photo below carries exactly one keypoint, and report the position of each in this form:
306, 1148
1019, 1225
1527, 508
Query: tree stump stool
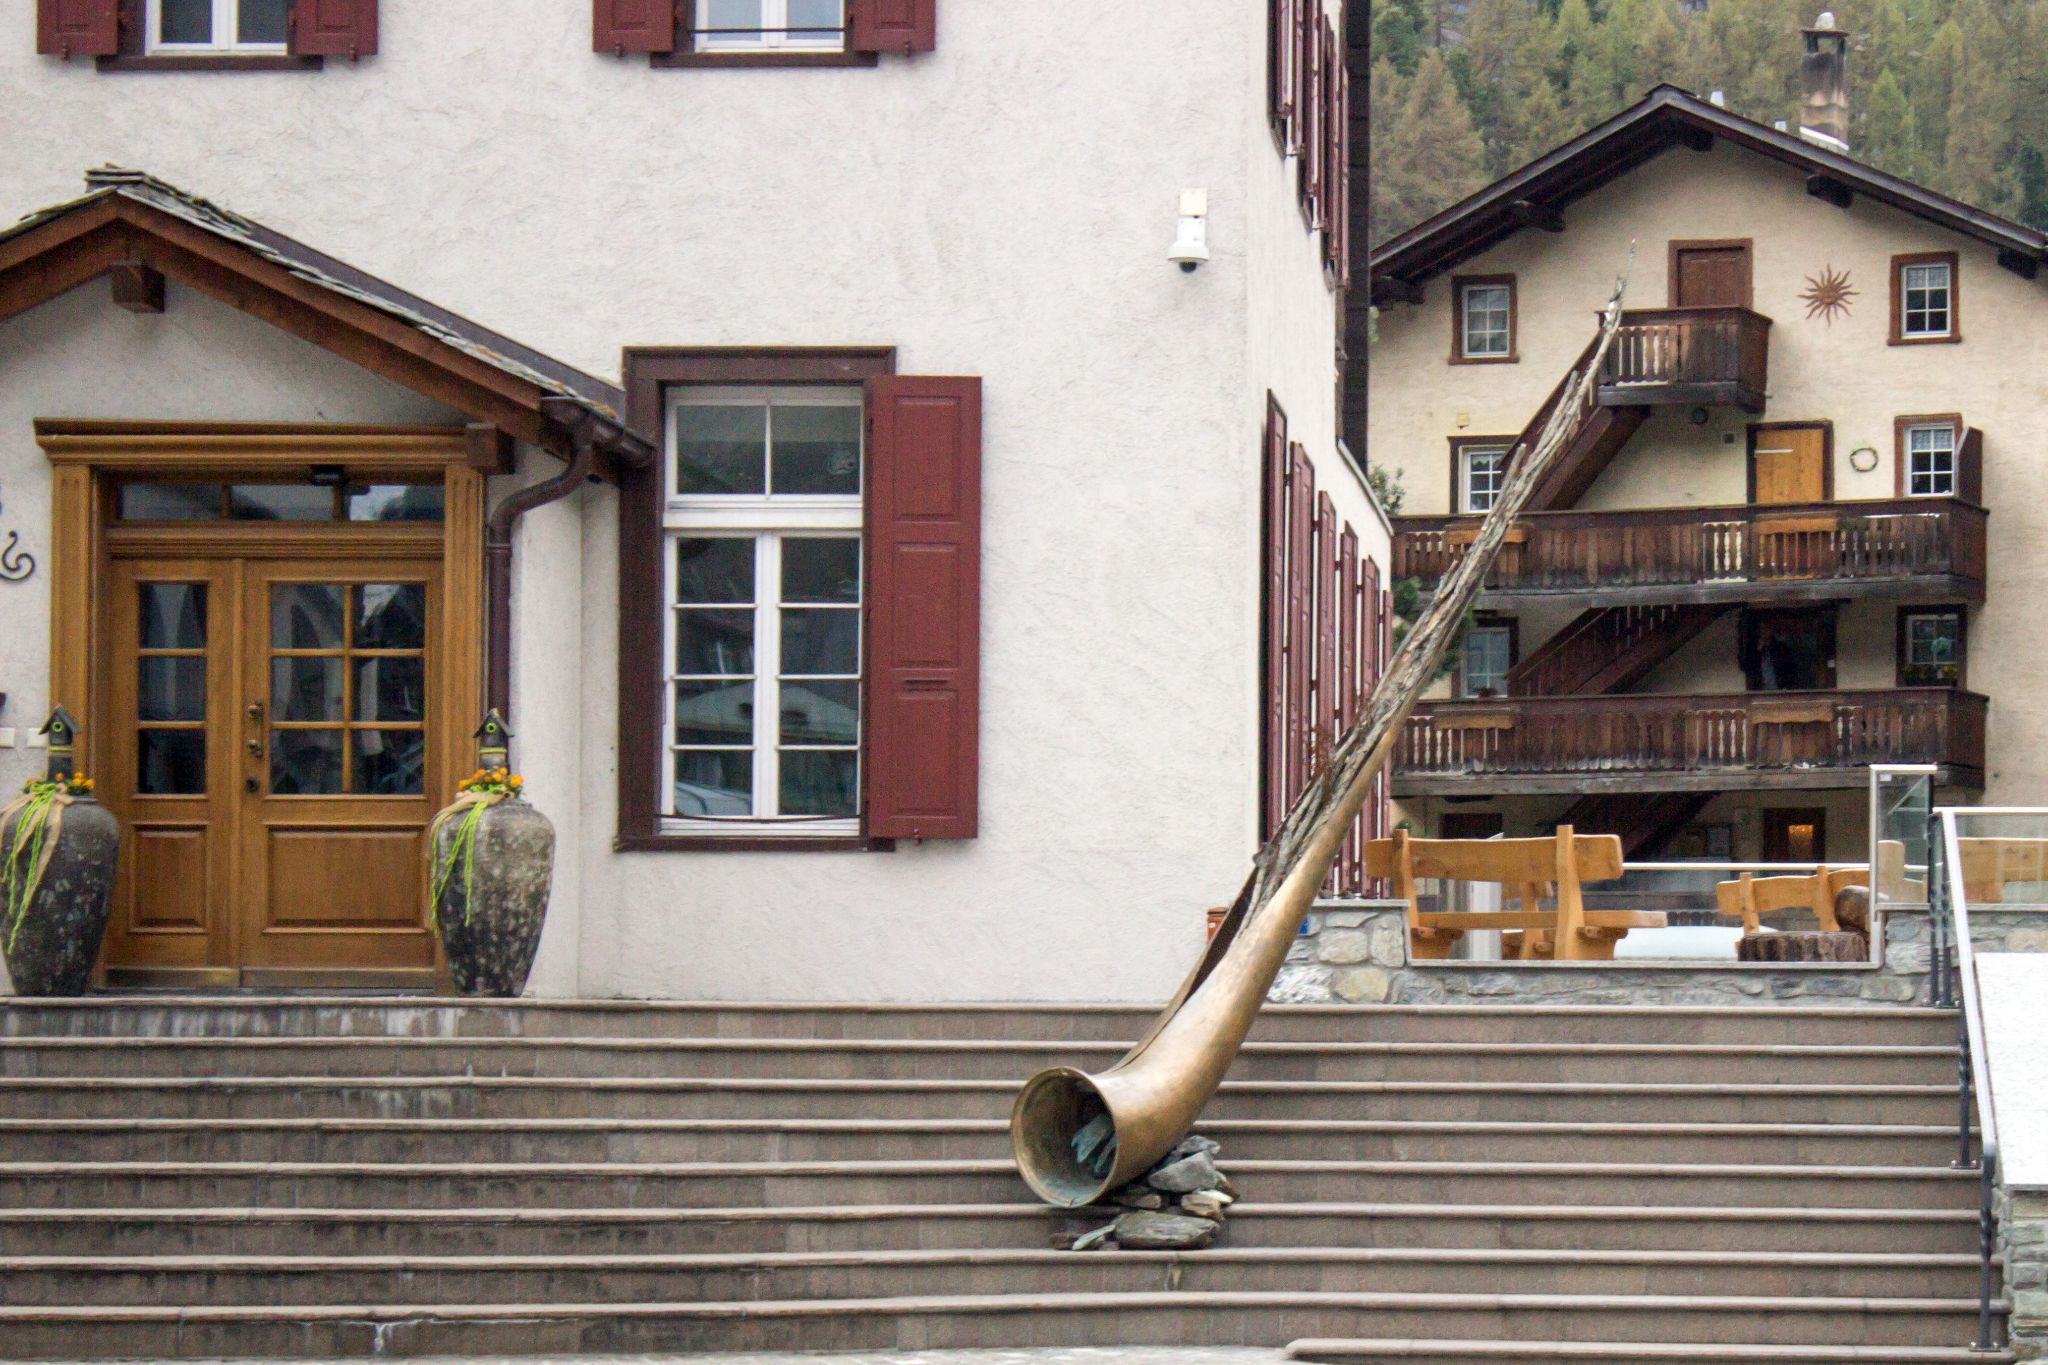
1812, 945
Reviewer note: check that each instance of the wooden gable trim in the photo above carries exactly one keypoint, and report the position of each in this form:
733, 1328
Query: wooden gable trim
56, 257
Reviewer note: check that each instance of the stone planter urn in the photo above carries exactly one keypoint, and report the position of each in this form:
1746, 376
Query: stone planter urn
492, 859
58, 852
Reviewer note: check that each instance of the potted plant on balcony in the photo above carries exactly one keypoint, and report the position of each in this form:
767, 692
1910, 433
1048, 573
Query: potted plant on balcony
491, 858
58, 852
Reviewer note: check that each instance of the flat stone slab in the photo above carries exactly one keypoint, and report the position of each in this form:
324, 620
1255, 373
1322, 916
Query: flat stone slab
1038, 1355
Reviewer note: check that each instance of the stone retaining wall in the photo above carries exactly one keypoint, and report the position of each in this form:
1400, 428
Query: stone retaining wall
2023, 1240
1357, 952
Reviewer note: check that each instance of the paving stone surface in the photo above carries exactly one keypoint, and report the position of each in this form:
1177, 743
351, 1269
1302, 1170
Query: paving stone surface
1090, 1355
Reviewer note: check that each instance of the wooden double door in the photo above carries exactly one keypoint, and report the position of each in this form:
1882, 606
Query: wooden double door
272, 745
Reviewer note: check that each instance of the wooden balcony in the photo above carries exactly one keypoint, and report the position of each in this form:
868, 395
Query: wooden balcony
1918, 547
1729, 742
1688, 355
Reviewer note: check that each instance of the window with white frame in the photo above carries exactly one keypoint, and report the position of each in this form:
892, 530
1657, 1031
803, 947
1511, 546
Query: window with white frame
234, 26
771, 25
762, 547
1931, 460
1930, 649
1481, 472
1488, 655
1926, 299
1487, 312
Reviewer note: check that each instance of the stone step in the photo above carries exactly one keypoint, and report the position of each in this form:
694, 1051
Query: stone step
777, 1139
983, 1320
430, 1017
316, 1279
741, 1184
76, 1230
457, 1096
955, 1059
1422, 1352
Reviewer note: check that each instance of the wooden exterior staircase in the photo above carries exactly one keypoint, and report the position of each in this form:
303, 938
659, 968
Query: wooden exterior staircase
1643, 820
1609, 649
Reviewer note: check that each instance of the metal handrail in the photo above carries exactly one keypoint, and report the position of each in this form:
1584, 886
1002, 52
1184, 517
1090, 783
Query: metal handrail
1974, 1062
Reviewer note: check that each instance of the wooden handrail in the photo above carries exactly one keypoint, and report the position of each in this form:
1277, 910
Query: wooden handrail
1742, 543
1729, 732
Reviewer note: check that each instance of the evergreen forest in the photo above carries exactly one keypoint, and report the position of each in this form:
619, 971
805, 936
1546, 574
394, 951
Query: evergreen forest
1950, 93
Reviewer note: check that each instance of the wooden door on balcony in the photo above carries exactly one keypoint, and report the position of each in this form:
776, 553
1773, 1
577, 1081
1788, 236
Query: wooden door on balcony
1710, 275
1788, 464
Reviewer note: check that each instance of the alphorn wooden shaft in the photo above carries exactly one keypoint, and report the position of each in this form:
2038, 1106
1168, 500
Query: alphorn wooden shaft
1078, 1136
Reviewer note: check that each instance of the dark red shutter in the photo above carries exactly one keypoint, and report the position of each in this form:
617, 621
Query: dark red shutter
1333, 136
78, 28
923, 607
1348, 865
1301, 503
1340, 193
904, 26
1312, 120
1280, 67
334, 28
1326, 629
622, 26
1273, 609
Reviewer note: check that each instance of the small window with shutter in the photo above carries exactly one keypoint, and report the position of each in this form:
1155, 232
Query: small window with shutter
213, 35
764, 32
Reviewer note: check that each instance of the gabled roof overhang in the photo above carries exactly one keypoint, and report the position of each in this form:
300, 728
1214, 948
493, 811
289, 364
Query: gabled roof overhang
128, 221
1667, 117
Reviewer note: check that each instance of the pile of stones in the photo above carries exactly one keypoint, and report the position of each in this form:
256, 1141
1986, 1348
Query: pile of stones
1176, 1206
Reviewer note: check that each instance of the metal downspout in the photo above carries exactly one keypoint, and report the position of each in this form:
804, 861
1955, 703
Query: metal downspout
498, 557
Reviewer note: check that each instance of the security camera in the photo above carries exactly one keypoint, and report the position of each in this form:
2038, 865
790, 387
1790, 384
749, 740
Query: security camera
1191, 243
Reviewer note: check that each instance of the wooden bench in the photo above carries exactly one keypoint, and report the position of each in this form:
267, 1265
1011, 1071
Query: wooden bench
1749, 898
1529, 869
1988, 864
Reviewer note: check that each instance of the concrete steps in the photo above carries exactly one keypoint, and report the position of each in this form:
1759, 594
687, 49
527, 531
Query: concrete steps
334, 1176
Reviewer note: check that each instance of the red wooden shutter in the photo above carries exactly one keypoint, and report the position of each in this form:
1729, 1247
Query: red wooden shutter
904, 26
334, 28
1340, 192
1333, 136
923, 607
78, 28
1326, 629
622, 26
1312, 119
1280, 67
1348, 865
1273, 604
1301, 502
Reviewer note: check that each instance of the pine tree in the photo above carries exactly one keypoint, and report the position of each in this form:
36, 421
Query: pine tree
1397, 30
1432, 157
1889, 136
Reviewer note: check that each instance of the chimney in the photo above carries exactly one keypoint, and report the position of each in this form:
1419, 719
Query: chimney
1824, 114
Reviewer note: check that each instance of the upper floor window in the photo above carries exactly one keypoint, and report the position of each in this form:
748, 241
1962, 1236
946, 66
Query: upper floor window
1481, 471
771, 25
1488, 654
1924, 298
1931, 648
1930, 455
220, 26
1485, 319
764, 563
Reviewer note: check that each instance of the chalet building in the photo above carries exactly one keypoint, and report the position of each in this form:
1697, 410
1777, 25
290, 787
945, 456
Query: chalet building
847, 468
1770, 559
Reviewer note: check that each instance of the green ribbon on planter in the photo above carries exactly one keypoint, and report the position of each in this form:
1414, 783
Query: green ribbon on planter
37, 819
469, 807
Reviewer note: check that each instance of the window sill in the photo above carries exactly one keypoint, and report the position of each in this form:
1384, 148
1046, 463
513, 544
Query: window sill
1948, 340
1509, 359
762, 59
750, 843
210, 62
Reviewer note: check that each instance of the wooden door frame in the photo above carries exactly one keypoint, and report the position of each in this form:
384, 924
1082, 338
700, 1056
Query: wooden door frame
1746, 245
1827, 455
88, 459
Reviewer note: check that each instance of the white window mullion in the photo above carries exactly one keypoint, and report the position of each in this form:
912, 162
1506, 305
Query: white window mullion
225, 33
767, 676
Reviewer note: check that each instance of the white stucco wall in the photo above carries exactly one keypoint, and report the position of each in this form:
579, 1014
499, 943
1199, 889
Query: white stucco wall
2014, 987
999, 207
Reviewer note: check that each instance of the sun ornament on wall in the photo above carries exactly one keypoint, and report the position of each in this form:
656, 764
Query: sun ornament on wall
1827, 294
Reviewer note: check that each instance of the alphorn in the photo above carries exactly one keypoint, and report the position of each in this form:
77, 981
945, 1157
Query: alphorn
1077, 1136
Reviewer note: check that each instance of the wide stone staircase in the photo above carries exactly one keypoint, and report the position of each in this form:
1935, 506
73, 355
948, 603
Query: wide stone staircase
323, 1177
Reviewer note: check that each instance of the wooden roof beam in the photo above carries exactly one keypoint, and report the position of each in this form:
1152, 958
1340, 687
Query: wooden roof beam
1531, 214
2019, 262
137, 287
1830, 190
1394, 289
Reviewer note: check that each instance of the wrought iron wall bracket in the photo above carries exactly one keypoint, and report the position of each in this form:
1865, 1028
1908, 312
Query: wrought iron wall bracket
15, 563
